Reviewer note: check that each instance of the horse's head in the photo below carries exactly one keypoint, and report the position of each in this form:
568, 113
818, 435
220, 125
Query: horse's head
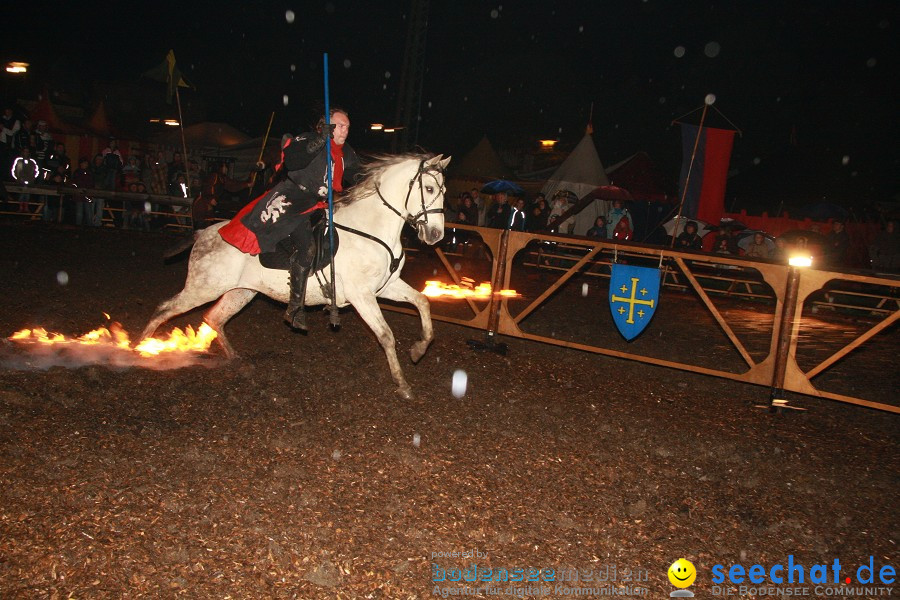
425, 202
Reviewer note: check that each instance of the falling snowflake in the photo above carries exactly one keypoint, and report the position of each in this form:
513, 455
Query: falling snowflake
458, 383
712, 49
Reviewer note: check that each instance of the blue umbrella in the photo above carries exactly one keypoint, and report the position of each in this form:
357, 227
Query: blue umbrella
502, 186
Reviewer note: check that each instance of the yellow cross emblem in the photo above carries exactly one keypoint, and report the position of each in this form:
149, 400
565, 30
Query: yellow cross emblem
632, 301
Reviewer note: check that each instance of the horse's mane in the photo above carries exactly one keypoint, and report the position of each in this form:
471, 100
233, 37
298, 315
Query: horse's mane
371, 174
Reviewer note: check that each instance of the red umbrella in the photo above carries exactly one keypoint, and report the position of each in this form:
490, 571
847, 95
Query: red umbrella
610, 193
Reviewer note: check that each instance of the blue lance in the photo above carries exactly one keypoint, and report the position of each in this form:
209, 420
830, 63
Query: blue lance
333, 317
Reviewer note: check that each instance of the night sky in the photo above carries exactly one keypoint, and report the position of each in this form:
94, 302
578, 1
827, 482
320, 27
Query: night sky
520, 71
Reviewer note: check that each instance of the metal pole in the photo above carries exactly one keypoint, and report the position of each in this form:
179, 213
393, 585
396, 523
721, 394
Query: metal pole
333, 317
687, 178
262, 150
187, 164
785, 333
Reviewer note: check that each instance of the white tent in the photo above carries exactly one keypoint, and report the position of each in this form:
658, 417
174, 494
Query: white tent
581, 173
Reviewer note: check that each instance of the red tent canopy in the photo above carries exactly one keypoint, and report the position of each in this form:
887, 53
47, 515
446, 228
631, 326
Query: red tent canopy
640, 176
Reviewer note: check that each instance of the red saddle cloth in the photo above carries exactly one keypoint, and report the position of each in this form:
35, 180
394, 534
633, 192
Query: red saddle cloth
237, 234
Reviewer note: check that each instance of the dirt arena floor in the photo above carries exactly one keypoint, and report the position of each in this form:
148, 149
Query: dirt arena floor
296, 472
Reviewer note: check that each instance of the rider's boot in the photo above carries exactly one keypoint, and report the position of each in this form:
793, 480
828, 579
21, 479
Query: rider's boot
299, 274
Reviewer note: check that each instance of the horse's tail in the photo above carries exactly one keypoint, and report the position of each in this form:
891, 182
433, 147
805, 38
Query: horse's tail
181, 246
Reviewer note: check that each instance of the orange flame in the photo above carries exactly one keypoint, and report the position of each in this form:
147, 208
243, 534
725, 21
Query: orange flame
178, 340
466, 289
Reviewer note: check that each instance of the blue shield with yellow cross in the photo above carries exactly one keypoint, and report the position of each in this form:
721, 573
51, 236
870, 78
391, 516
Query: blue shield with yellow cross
633, 298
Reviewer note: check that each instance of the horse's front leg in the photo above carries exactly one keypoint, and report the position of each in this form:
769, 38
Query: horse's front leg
401, 291
367, 307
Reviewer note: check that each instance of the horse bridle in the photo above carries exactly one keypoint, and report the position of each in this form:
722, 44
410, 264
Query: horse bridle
412, 220
422, 215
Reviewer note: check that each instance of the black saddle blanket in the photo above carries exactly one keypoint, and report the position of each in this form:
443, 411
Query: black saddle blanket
281, 258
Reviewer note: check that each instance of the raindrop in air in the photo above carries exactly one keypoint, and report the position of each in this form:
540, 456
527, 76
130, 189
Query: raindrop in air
679, 51
495, 13
384, 86
346, 63
387, 74
417, 440
710, 99
458, 384
465, 99
712, 49
457, 267
871, 62
584, 289
846, 160
662, 99
429, 105
336, 455
757, 160
289, 16
284, 99
148, 208
62, 278
434, 272
581, 29
293, 68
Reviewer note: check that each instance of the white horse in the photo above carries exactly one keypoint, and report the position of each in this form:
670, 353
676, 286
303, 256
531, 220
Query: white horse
397, 190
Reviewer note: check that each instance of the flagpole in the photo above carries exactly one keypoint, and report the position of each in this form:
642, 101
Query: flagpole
262, 150
334, 317
687, 178
187, 174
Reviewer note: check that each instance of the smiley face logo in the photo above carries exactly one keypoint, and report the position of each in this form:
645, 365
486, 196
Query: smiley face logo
682, 573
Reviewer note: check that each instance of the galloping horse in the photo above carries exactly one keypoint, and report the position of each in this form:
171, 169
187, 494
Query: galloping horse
397, 190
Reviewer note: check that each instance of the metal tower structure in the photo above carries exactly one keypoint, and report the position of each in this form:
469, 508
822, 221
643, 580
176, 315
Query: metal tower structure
412, 76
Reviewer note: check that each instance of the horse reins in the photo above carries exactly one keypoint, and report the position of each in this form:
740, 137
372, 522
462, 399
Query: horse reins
412, 220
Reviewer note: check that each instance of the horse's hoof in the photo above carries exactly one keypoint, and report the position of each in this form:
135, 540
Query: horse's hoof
418, 351
405, 392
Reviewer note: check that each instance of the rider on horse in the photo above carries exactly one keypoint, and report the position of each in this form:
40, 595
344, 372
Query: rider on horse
282, 219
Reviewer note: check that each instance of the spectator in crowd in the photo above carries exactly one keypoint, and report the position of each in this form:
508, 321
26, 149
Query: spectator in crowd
43, 147
176, 167
112, 161
83, 179
599, 229
136, 215
540, 212
614, 221
499, 212
780, 254
885, 249
25, 171
24, 138
467, 212
58, 162
53, 203
160, 180
759, 248
722, 246
9, 127
517, 215
98, 172
217, 197
558, 206
728, 235
837, 243
689, 239
479, 203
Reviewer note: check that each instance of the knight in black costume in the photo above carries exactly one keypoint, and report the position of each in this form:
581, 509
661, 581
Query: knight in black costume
283, 219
